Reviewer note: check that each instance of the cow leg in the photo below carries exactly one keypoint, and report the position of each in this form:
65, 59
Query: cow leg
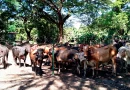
85, 67
25, 62
126, 66
114, 69
6, 59
35, 66
64, 66
93, 72
15, 61
19, 62
32, 64
4, 63
47, 62
50, 60
78, 69
97, 68
78, 66
114, 65
38, 68
59, 68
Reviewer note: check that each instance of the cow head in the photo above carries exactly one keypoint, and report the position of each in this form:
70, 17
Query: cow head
122, 52
85, 50
39, 54
1, 53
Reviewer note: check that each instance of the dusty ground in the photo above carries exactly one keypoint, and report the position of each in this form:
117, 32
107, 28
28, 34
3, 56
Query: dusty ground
15, 78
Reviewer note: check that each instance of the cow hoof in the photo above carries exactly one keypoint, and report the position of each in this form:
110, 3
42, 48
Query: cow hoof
58, 73
33, 69
5, 66
39, 74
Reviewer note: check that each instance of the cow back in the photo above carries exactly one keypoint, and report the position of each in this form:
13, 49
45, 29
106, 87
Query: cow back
3, 50
65, 55
102, 54
19, 51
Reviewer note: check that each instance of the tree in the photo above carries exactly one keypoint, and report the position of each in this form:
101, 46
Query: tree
58, 11
115, 21
6, 13
20, 10
25, 13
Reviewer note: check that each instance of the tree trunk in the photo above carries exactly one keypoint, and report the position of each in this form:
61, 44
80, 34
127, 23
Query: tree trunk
27, 32
28, 35
60, 37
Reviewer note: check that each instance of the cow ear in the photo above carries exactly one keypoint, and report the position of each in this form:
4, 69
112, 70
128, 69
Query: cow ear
43, 50
35, 53
76, 56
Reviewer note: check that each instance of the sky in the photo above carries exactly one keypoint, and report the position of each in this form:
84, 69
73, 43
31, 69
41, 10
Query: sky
74, 21
77, 20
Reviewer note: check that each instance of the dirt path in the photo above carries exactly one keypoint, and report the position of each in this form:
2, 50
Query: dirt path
16, 78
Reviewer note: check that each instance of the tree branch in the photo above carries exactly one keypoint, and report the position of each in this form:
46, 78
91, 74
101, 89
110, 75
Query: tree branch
51, 4
48, 17
66, 17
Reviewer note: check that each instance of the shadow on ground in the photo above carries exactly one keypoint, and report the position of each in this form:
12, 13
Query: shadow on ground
25, 79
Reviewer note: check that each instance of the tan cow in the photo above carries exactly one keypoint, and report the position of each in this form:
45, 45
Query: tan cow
100, 55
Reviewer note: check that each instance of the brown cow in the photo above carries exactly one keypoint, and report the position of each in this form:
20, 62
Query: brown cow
63, 55
36, 61
100, 55
46, 49
56, 51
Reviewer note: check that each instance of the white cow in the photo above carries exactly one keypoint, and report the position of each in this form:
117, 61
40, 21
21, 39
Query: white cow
83, 63
81, 58
124, 53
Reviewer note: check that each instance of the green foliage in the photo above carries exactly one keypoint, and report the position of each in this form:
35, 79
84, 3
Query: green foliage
87, 37
113, 22
120, 21
2, 26
84, 35
11, 27
107, 18
46, 30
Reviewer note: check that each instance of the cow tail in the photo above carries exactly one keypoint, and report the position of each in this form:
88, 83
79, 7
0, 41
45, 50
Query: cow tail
113, 51
13, 49
6, 59
7, 55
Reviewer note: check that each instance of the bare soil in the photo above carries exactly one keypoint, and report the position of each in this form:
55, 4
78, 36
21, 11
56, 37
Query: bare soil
22, 78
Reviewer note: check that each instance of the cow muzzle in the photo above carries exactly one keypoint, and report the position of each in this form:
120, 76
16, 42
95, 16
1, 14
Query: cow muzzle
39, 58
86, 57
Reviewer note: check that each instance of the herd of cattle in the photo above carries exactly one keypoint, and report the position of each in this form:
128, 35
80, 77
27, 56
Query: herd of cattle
65, 56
